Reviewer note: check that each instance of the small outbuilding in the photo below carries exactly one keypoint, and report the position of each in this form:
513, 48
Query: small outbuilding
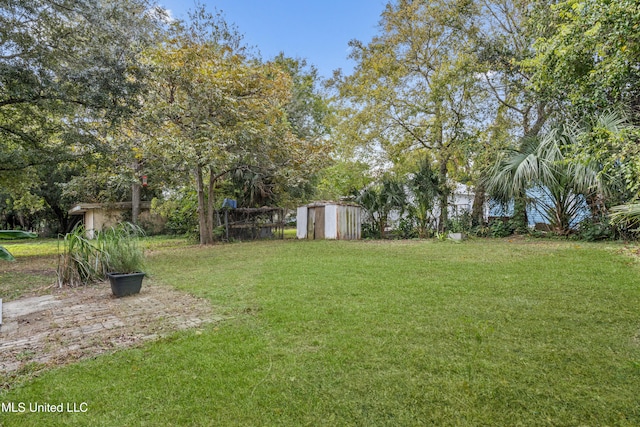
100, 216
329, 220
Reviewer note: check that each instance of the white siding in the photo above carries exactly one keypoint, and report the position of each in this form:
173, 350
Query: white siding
331, 222
301, 223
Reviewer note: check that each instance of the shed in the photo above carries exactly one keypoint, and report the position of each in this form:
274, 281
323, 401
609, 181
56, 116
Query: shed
329, 220
98, 216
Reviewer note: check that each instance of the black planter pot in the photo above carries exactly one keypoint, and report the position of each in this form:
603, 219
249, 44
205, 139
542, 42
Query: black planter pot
123, 284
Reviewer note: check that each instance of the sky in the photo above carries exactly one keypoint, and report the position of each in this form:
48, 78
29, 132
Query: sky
316, 30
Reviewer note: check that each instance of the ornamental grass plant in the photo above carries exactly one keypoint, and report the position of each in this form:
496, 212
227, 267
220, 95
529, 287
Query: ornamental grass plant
121, 249
83, 260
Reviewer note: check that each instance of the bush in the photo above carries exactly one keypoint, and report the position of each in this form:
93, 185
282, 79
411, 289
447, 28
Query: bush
407, 229
592, 229
180, 211
461, 223
370, 231
500, 228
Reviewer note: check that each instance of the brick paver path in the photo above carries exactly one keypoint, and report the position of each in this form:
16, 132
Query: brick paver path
71, 324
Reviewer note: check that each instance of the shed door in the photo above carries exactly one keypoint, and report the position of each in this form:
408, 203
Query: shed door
311, 220
319, 223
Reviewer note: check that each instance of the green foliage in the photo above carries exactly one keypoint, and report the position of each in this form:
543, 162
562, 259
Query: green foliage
181, 212
627, 216
542, 163
588, 60
223, 112
80, 260
121, 249
460, 223
499, 228
379, 200
592, 230
83, 260
69, 69
342, 178
407, 228
414, 91
425, 187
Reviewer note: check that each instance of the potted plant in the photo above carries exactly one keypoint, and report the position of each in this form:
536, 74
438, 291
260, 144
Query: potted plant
123, 259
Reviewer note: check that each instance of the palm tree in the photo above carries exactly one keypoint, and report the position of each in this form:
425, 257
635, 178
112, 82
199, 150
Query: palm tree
425, 186
541, 163
379, 200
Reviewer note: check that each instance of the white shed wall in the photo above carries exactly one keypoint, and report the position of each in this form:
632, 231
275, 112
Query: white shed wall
331, 222
301, 223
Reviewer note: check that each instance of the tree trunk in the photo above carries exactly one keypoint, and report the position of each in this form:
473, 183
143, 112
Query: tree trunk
444, 196
210, 203
135, 193
206, 236
477, 210
520, 214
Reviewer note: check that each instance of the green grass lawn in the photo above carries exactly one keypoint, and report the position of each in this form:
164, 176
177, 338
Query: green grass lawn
486, 332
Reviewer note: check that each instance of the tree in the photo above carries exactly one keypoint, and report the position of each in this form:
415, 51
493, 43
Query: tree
69, 71
414, 86
425, 188
504, 49
590, 59
219, 112
380, 199
589, 65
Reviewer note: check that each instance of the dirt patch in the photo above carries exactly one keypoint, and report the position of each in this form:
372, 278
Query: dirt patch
70, 324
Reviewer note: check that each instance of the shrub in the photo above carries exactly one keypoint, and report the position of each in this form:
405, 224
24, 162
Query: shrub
592, 229
500, 228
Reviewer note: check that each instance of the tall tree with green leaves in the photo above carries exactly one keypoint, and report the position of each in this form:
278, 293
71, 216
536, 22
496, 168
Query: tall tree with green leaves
69, 71
589, 60
414, 87
589, 66
220, 112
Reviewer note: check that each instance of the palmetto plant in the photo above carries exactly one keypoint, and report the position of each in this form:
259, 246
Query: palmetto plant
627, 215
542, 164
425, 186
379, 200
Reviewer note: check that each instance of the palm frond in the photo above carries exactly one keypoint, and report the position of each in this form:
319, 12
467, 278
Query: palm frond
628, 214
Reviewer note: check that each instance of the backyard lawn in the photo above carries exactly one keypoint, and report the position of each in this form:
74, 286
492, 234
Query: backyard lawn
370, 333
